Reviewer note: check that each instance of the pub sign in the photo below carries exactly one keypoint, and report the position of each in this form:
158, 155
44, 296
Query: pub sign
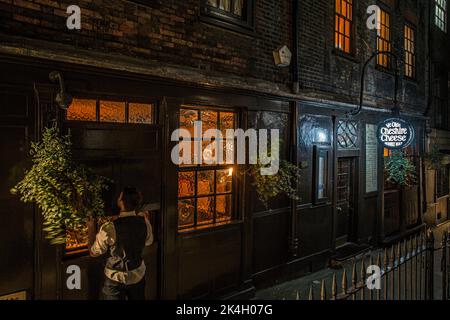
395, 133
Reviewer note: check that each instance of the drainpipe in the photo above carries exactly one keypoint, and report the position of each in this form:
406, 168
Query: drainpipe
430, 87
295, 16
427, 110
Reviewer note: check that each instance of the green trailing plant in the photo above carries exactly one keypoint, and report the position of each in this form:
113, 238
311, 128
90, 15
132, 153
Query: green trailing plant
399, 169
270, 186
67, 193
434, 158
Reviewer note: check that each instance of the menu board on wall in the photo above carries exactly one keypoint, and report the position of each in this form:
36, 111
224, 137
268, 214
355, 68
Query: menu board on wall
371, 158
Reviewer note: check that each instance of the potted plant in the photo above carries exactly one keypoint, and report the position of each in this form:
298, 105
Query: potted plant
399, 170
67, 193
269, 187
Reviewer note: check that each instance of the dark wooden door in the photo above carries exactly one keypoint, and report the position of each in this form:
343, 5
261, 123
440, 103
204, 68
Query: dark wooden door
16, 219
345, 200
130, 155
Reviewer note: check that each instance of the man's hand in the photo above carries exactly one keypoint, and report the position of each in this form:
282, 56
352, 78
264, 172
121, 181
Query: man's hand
92, 230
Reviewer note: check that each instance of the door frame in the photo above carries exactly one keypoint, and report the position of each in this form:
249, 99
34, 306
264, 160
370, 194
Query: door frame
352, 234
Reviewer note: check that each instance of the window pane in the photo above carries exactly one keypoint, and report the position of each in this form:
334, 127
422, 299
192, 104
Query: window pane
112, 111
140, 113
205, 210
228, 151
209, 120
224, 180
82, 110
223, 207
187, 119
225, 5
186, 183
238, 6
226, 121
322, 176
76, 239
205, 182
210, 151
186, 210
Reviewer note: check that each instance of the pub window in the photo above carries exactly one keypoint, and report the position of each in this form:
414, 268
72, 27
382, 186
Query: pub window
206, 192
111, 111
442, 181
234, 12
343, 25
321, 174
440, 14
410, 51
384, 39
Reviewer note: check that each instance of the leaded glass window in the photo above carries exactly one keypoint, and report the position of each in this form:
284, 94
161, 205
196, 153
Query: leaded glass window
111, 111
206, 189
440, 14
347, 134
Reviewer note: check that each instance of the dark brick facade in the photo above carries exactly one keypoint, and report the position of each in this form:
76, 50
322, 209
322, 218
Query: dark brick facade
321, 67
174, 33
167, 31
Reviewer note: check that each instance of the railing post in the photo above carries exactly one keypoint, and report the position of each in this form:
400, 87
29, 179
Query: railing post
429, 266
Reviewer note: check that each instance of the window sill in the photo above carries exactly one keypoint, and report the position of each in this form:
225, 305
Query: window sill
222, 23
385, 70
348, 56
208, 228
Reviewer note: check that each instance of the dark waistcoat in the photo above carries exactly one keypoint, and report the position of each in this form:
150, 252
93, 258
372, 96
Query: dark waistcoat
126, 254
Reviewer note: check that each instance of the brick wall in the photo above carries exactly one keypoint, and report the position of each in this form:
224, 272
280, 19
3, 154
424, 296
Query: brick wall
322, 68
173, 32
169, 31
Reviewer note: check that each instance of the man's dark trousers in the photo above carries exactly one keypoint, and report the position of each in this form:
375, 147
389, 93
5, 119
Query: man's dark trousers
113, 290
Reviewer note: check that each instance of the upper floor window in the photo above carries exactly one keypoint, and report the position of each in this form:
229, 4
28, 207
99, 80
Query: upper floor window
96, 110
440, 14
230, 12
442, 181
384, 39
343, 25
410, 52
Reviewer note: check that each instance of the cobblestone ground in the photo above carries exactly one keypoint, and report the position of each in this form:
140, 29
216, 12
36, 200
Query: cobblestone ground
299, 288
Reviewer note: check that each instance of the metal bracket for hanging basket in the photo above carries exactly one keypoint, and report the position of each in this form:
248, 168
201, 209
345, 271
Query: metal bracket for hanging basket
62, 99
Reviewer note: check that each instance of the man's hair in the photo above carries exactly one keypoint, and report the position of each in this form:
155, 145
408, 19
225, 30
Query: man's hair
131, 198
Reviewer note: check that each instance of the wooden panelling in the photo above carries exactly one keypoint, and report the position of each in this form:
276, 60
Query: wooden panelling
391, 212
115, 138
270, 240
209, 263
13, 105
315, 230
16, 218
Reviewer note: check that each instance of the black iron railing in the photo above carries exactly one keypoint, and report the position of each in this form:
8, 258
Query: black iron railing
407, 272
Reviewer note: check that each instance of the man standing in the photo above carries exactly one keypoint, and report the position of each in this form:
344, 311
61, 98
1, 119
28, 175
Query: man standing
124, 239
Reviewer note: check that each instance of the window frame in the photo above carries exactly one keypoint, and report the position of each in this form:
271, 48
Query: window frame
228, 20
412, 41
445, 169
438, 8
318, 152
234, 216
126, 100
336, 32
388, 41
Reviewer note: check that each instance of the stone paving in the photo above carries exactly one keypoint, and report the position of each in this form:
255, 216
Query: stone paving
299, 288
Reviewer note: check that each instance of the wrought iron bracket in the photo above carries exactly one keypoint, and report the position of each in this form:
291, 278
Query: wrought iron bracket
62, 99
395, 109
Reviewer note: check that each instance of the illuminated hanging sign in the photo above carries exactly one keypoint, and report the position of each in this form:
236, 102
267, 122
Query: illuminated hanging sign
395, 133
